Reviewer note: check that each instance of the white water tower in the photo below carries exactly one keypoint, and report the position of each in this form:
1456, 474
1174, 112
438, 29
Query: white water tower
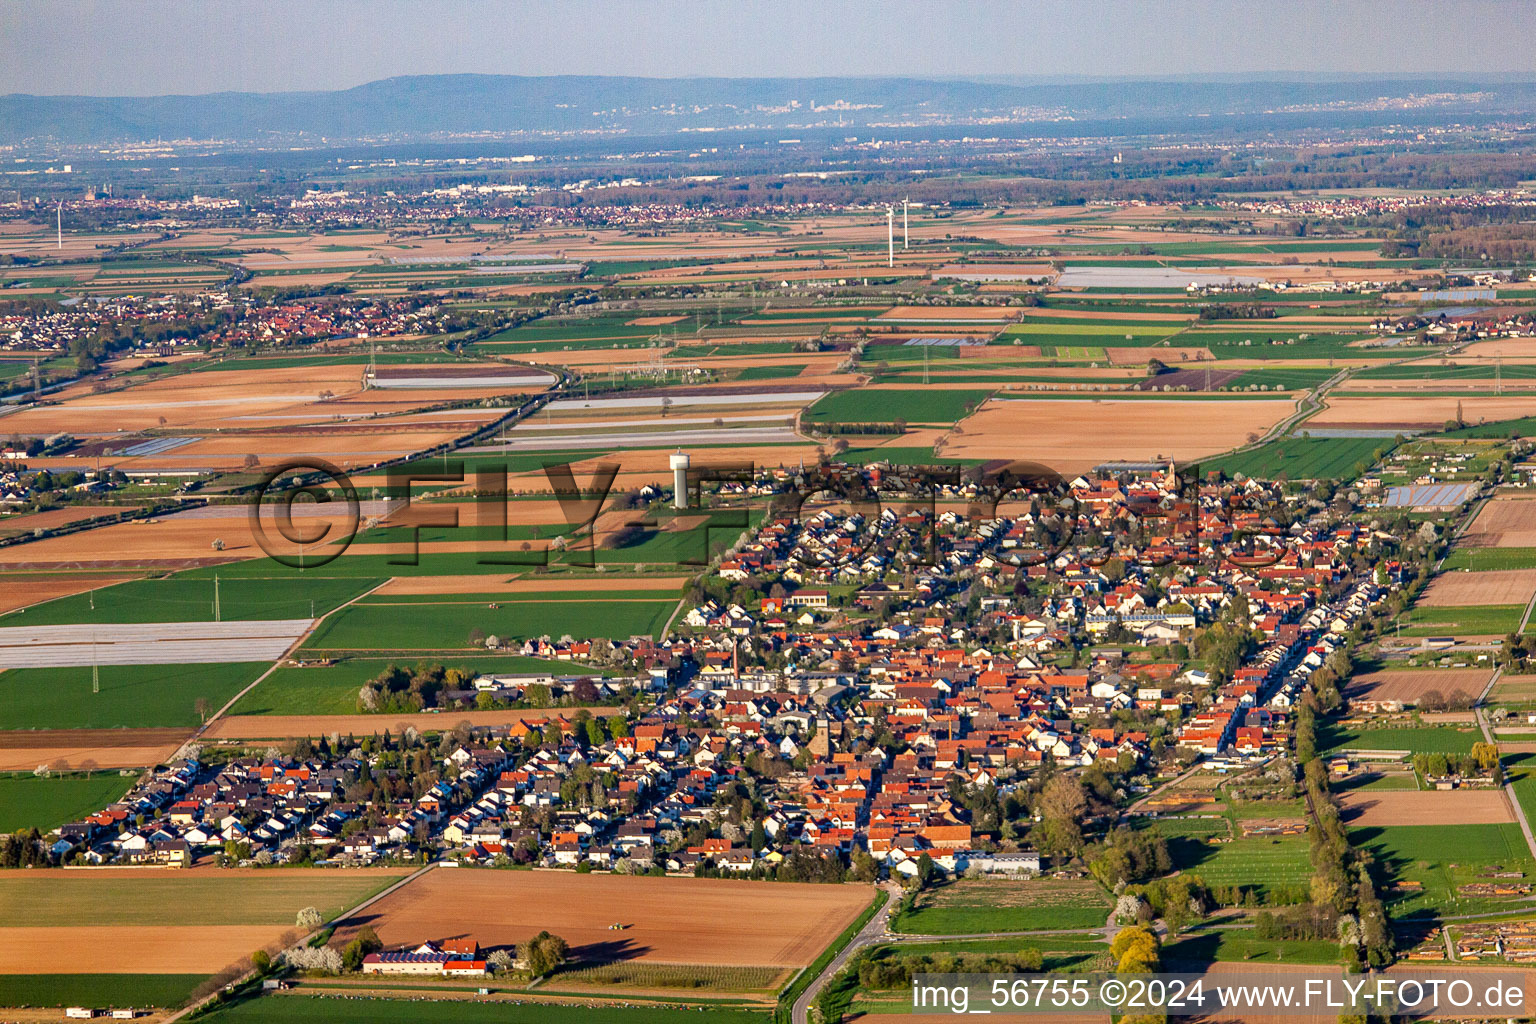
680, 463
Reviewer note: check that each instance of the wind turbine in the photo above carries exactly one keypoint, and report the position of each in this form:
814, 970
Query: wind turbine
61, 223
890, 236
905, 241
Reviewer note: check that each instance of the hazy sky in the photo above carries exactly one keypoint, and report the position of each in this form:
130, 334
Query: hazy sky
146, 47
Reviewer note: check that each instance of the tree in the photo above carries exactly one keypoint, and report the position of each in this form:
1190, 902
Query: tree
203, 708
262, 961
309, 919
544, 953
1136, 950
366, 941
1061, 807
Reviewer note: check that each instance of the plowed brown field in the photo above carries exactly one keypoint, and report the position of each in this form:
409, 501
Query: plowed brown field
1498, 586
1410, 684
670, 920
1072, 435
63, 749
1366, 808
1505, 522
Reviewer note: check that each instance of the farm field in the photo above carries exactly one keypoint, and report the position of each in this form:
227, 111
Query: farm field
1491, 587
881, 405
1416, 739
1417, 411
1277, 866
668, 920
96, 990
301, 1009
993, 905
1410, 685
1505, 522
1388, 808
1463, 620
1072, 435
1302, 458
1442, 859
189, 598
27, 801
131, 697
443, 623
26, 589
221, 896
87, 749
1206, 945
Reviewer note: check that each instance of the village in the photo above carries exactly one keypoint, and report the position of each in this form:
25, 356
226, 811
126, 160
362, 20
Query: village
900, 726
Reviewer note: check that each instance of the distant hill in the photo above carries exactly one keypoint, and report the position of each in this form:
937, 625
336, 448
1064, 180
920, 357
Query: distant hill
419, 107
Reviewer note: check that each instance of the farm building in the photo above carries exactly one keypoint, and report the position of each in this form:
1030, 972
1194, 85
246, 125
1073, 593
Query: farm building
458, 959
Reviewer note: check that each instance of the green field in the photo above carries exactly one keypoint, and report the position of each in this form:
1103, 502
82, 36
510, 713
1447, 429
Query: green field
189, 598
332, 689
97, 990
299, 1009
1303, 458
127, 897
1208, 945
1292, 378
132, 696
1430, 371
1260, 862
885, 406
770, 372
444, 623
1491, 558
995, 905
27, 801
1428, 739
1442, 858
1523, 427
1475, 620
1119, 329
1193, 828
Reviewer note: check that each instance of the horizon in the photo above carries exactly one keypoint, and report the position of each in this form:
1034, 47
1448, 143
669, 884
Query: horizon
1025, 81
195, 49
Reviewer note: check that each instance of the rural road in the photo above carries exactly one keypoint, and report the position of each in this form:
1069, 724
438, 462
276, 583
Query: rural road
873, 931
877, 932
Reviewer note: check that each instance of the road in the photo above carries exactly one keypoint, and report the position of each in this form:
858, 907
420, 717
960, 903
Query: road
876, 929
